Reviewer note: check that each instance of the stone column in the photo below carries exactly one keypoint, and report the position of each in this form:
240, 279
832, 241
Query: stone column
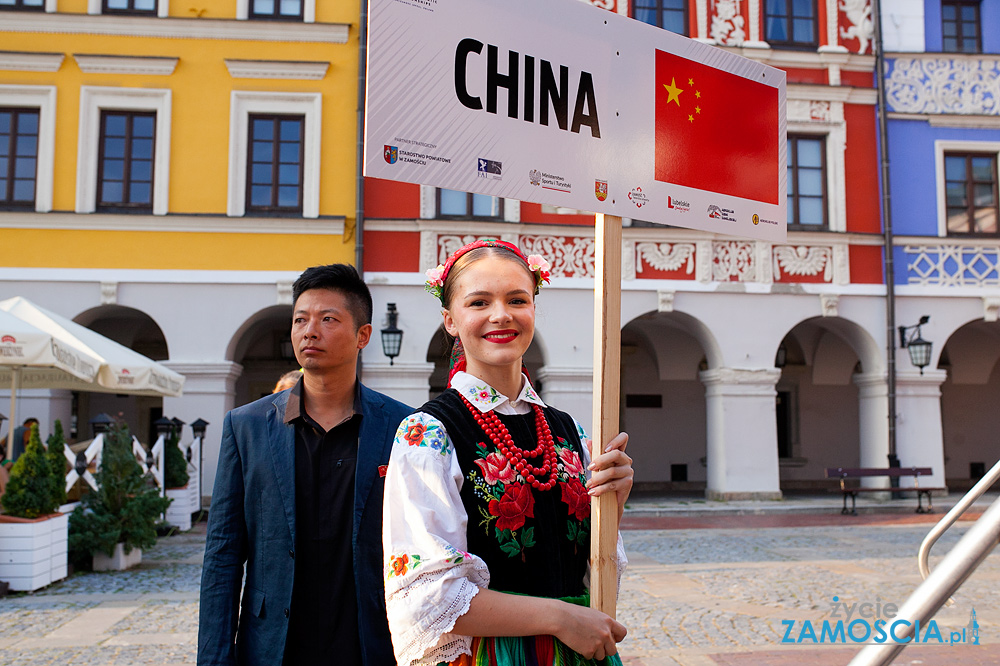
209, 392
570, 390
873, 424
407, 382
919, 438
742, 433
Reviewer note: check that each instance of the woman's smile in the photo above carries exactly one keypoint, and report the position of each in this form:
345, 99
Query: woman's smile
501, 337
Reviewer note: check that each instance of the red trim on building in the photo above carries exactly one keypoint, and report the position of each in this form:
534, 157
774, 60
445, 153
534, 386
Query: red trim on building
796, 75
861, 158
391, 199
866, 264
392, 251
858, 79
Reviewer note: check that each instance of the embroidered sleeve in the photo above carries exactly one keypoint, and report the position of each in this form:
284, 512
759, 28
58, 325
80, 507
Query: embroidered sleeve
620, 557
429, 578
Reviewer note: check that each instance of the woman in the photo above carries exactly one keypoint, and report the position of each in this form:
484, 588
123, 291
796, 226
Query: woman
487, 505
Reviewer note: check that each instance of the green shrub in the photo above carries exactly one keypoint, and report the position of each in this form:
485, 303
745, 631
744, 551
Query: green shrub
175, 464
57, 463
124, 509
29, 489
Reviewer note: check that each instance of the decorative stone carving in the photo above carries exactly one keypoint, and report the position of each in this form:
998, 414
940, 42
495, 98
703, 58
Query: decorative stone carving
991, 308
803, 260
284, 293
569, 256
943, 85
952, 265
665, 301
727, 23
858, 15
829, 305
665, 256
733, 260
109, 293
446, 245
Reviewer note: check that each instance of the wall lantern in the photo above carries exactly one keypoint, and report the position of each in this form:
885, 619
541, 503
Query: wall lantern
392, 336
918, 348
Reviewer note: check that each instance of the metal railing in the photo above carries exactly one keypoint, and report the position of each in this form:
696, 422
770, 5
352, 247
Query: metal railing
954, 569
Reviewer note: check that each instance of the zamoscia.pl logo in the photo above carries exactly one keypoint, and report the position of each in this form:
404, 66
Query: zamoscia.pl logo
876, 623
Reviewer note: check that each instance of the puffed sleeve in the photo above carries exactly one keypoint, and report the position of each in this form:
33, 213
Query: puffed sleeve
429, 578
620, 557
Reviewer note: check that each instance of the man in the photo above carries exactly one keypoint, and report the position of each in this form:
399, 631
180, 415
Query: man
22, 434
298, 500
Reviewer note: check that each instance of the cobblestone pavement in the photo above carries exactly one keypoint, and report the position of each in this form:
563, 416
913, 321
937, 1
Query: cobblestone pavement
691, 597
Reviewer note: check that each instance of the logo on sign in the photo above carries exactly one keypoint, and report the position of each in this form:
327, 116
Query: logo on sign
391, 154
719, 213
535, 177
601, 189
8, 339
490, 169
638, 198
678, 205
756, 219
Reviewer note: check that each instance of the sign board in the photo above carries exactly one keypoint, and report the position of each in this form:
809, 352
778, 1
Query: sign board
563, 103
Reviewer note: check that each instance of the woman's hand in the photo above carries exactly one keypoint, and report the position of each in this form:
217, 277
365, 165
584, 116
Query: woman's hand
589, 632
612, 471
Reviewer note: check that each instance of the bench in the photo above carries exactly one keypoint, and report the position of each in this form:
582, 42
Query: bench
843, 473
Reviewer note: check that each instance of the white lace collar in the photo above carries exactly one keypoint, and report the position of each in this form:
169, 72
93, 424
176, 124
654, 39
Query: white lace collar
486, 398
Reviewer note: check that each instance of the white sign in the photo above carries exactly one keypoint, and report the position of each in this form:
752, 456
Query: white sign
559, 102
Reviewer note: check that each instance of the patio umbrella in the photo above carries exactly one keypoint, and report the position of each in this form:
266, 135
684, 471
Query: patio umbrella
33, 357
120, 370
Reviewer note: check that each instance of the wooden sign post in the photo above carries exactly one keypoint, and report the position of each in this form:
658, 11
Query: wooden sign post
607, 380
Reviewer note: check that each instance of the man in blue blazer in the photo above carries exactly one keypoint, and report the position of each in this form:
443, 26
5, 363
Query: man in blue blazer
298, 501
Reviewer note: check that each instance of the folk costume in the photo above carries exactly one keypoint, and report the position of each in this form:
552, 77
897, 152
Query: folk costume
484, 491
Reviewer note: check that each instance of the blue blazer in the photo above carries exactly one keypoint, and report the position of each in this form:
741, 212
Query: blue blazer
252, 522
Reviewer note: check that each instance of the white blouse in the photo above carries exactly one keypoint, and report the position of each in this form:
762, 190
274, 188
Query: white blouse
429, 578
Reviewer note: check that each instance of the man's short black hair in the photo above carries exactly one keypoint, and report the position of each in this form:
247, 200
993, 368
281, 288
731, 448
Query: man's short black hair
342, 278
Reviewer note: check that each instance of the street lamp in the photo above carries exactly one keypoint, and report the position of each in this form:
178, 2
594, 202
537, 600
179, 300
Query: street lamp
392, 336
918, 348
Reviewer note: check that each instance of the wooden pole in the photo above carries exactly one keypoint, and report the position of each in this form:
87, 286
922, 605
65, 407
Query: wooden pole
607, 381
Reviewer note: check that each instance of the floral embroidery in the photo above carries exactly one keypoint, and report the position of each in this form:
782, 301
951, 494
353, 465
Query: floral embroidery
423, 431
455, 556
529, 393
513, 507
483, 394
400, 564
576, 498
415, 434
496, 469
571, 461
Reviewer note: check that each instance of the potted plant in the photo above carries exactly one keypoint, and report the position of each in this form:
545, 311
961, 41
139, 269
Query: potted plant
55, 445
114, 523
184, 501
30, 524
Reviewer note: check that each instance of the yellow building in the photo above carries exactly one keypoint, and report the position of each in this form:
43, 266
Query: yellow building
166, 171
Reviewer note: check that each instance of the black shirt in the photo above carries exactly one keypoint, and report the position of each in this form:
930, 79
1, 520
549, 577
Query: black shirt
323, 619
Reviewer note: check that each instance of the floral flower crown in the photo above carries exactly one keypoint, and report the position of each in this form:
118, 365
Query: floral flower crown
436, 276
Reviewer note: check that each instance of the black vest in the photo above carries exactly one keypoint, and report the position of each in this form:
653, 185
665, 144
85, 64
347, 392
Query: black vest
533, 542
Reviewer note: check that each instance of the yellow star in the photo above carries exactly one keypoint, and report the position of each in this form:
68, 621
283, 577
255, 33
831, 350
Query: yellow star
690, 82
697, 93
697, 109
690, 119
673, 92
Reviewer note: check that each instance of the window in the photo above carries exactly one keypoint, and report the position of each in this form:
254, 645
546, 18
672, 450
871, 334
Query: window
791, 23
275, 163
452, 203
129, 7
970, 182
276, 9
23, 5
960, 26
125, 161
667, 14
19, 129
806, 182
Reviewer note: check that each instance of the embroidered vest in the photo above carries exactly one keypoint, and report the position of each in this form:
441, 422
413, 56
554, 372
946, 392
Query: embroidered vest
533, 542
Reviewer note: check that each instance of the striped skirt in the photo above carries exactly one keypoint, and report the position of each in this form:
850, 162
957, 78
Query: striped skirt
526, 651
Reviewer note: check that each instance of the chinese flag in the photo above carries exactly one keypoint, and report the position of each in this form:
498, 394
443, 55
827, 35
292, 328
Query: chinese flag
715, 131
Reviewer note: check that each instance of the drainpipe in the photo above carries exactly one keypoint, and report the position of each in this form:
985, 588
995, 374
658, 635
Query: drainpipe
359, 185
890, 276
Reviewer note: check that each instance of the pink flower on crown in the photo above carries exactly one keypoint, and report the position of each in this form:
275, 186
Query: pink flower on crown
537, 263
434, 276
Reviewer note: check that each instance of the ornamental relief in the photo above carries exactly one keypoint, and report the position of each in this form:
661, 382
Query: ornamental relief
856, 23
952, 265
569, 256
942, 85
665, 257
734, 261
809, 110
803, 260
727, 23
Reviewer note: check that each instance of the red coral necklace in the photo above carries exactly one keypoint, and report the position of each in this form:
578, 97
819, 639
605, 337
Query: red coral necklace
500, 436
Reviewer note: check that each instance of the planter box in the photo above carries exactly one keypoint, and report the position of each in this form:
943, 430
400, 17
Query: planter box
118, 561
185, 502
60, 546
26, 552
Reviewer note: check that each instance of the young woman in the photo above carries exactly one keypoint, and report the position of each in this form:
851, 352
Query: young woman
486, 530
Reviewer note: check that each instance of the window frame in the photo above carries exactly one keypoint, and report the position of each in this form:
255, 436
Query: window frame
275, 210
659, 9
96, 8
124, 206
129, 11
499, 217
94, 99
825, 178
42, 98
19, 6
942, 148
960, 39
242, 104
971, 208
789, 18
10, 204
308, 12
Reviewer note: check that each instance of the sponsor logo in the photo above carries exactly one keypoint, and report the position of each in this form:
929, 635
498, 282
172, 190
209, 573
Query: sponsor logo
756, 219
535, 177
551, 181
489, 169
637, 197
8, 339
391, 154
601, 189
679, 205
719, 213
125, 371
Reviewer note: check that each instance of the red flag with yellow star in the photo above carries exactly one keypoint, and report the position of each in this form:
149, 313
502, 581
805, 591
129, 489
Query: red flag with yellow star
715, 131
